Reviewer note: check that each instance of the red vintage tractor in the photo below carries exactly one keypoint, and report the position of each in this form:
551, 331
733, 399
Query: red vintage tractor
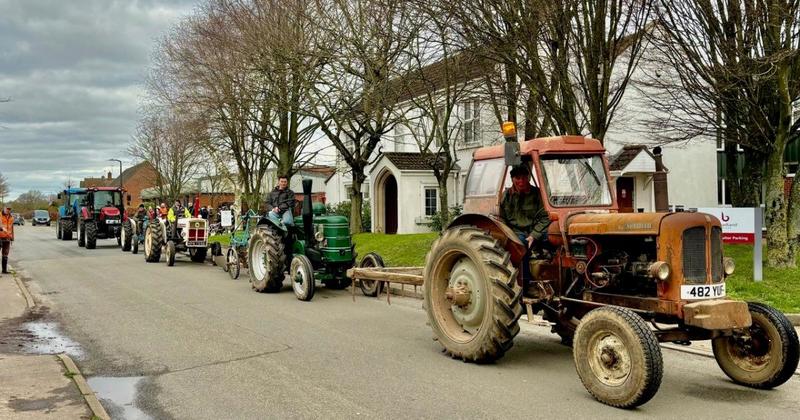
613, 285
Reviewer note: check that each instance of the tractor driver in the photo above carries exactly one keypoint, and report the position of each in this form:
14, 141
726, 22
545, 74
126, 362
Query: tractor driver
280, 202
177, 210
523, 212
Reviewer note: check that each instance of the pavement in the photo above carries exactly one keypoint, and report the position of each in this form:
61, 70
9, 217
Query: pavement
34, 386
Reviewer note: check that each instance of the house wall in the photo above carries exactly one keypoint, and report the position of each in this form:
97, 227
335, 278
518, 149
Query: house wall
144, 177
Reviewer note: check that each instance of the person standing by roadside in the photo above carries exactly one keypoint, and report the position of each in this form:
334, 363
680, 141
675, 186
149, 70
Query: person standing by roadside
6, 235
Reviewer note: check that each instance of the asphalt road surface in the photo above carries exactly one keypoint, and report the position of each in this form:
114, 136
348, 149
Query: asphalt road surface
209, 347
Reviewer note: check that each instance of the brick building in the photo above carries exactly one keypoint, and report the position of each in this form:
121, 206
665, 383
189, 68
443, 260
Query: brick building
135, 179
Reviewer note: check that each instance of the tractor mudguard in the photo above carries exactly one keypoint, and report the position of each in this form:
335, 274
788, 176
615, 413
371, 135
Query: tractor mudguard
84, 213
497, 229
265, 220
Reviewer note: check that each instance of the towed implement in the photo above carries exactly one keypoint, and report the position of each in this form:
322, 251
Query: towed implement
612, 285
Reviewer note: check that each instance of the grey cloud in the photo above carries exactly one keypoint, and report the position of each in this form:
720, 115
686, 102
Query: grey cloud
74, 72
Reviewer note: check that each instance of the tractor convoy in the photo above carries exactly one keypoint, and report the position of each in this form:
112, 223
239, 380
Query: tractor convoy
612, 285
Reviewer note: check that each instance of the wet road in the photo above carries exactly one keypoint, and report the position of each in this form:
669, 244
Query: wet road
208, 347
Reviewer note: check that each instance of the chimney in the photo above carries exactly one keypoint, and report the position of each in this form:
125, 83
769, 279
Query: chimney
660, 188
109, 175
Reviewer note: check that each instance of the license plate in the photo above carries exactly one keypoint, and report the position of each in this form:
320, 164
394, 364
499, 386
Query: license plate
195, 243
112, 222
702, 291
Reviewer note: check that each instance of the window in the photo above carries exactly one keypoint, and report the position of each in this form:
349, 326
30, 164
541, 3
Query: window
576, 181
471, 122
723, 192
483, 177
431, 197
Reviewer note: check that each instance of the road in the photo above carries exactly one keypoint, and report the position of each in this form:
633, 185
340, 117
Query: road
209, 347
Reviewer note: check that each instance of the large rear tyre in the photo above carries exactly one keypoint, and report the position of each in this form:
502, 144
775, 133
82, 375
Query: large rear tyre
135, 245
765, 355
198, 255
153, 240
66, 230
371, 287
91, 234
170, 250
617, 357
267, 259
471, 295
126, 235
58, 230
301, 273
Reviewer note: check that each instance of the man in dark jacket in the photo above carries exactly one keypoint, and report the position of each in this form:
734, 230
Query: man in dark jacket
280, 202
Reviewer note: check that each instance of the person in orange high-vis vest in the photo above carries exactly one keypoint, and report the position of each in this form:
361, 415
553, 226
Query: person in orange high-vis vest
6, 235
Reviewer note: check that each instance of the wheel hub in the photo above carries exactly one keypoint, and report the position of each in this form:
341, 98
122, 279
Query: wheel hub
609, 359
466, 295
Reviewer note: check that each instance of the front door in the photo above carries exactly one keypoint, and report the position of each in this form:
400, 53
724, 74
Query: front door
390, 204
625, 194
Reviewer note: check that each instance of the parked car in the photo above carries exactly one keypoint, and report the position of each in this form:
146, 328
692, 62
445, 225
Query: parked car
18, 219
40, 217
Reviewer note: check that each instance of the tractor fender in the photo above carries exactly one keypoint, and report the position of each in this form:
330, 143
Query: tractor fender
133, 224
266, 221
497, 229
84, 213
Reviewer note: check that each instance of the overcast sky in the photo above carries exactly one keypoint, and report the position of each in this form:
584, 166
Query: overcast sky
74, 72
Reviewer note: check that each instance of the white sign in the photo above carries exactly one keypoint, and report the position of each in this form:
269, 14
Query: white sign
741, 225
227, 218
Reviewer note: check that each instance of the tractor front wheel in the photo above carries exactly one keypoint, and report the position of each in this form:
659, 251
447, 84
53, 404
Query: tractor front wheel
91, 234
765, 355
66, 230
471, 295
81, 234
170, 249
371, 287
153, 239
126, 235
58, 230
267, 259
617, 357
301, 273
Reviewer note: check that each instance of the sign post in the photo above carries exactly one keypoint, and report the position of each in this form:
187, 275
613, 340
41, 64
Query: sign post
741, 226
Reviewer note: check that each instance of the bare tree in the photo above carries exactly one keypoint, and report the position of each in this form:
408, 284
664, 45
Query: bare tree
4, 188
362, 43
568, 56
744, 55
170, 144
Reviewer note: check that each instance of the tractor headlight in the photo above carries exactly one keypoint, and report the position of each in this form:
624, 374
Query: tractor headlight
319, 236
659, 270
728, 265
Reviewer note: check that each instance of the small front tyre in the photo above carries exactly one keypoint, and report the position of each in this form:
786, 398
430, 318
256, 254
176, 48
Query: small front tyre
617, 357
232, 263
170, 248
301, 273
765, 355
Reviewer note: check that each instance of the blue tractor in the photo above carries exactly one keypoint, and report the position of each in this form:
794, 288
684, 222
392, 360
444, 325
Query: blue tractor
68, 212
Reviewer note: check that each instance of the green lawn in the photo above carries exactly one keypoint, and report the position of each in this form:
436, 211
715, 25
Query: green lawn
223, 240
780, 287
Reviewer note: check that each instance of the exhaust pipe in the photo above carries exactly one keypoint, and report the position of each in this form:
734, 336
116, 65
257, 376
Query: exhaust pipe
308, 216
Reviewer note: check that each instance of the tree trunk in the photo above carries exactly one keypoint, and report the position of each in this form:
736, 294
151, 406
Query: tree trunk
356, 200
794, 219
445, 210
775, 210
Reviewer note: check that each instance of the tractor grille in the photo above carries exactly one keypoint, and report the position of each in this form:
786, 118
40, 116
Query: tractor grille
694, 255
716, 254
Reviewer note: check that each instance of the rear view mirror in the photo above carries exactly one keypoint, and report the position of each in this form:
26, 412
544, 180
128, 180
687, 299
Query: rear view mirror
511, 153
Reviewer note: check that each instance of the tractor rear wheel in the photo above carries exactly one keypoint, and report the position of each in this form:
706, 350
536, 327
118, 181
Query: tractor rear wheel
766, 356
66, 230
617, 357
301, 274
91, 235
170, 249
153, 238
81, 234
198, 255
126, 235
371, 287
267, 259
58, 229
471, 295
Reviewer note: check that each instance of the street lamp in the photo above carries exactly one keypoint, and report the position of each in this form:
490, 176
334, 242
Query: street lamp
120, 170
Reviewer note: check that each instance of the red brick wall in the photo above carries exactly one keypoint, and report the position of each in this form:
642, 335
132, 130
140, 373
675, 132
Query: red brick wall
787, 186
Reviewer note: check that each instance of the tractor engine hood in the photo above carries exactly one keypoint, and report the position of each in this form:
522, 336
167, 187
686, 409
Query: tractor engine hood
632, 223
109, 213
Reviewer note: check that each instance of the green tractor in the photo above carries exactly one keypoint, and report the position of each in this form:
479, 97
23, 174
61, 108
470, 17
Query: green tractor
318, 247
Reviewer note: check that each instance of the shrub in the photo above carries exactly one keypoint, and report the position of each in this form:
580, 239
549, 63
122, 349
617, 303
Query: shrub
343, 209
437, 222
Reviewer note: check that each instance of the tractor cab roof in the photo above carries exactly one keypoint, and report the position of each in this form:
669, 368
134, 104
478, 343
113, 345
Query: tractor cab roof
105, 189
75, 190
546, 145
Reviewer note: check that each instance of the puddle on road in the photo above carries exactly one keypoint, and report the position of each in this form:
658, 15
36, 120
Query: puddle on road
118, 396
47, 339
